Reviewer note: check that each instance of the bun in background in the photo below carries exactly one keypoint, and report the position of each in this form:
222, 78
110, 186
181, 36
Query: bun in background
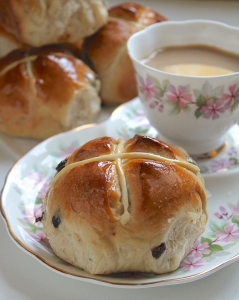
136, 13
45, 91
106, 53
8, 42
37, 23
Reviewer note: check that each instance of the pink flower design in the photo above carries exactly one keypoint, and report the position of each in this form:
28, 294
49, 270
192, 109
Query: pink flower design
198, 249
41, 194
158, 102
69, 150
179, 95
226, 236
147, 87
223, 215
124, 137
232, 97
189, 263
36, 177
221, 164
212, 109
236, 210
139, 117
30, 216
40, 237
233, 152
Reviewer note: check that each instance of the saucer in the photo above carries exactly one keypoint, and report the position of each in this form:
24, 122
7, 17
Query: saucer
227, 159
27, 182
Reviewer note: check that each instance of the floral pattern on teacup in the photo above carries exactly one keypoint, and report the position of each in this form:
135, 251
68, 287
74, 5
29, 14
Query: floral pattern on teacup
208, 103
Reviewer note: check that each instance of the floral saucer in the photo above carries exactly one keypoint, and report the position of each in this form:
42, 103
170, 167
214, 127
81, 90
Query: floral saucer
26, 185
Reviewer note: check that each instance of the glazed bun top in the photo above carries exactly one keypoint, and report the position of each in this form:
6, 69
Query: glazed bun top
44, 91
129, 172
136, 13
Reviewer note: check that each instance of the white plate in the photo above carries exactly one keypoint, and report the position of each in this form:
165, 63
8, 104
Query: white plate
26, 184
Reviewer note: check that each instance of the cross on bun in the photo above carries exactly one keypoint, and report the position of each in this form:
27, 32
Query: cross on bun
116, 206
37, 23
45, 91
107, 55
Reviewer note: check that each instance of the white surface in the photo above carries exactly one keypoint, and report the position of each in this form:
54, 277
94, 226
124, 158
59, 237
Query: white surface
22, 277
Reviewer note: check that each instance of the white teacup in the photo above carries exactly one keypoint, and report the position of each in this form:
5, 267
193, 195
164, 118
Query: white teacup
189, 111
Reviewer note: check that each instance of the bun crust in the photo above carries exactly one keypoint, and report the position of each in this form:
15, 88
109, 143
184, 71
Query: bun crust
44, 92
125, 206
8, 42
107, 54
136, 13
37, 23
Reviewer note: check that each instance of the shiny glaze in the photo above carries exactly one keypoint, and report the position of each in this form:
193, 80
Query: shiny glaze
161, 192
102, 207
62, 69
108, 39
37, 89
106, 52
97, 147
44, 64
155, 189
137, 13
151, 145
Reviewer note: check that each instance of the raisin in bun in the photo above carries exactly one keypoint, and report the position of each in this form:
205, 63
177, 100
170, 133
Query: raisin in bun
116, 206
37, 23
45, 91
107, 54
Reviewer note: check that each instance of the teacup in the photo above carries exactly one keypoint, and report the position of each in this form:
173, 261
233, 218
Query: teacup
189, 111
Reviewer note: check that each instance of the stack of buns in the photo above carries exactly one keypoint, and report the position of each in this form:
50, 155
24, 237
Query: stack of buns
45, 92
